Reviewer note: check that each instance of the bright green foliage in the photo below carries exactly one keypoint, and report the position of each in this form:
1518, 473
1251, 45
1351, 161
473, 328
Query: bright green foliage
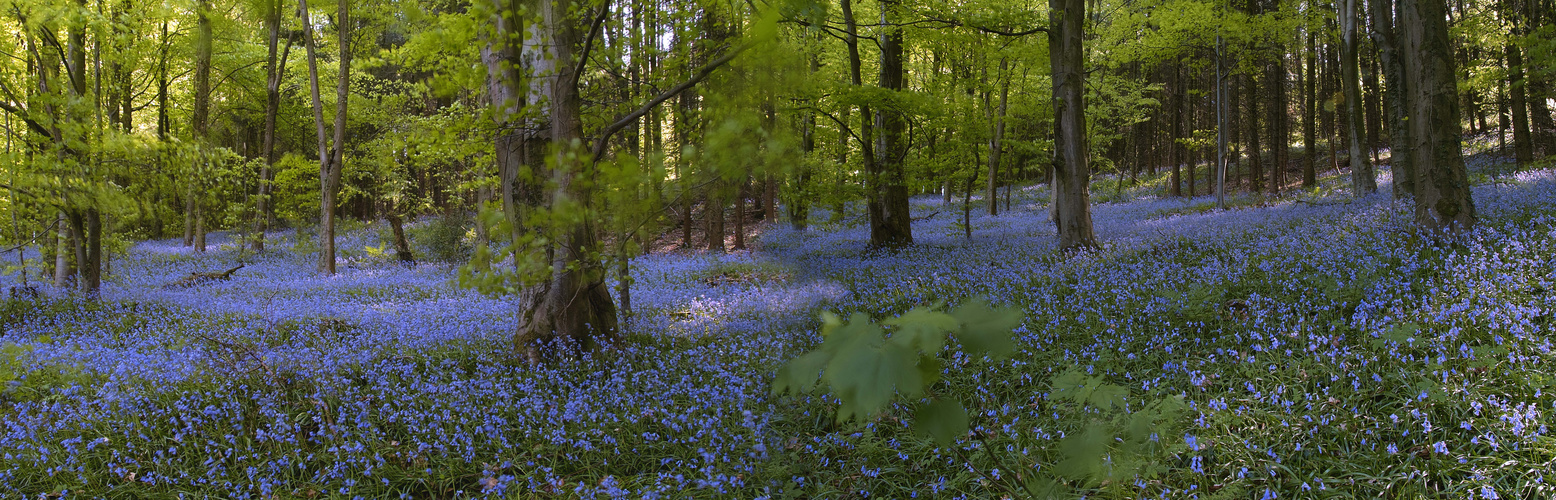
866, 369
1117, 445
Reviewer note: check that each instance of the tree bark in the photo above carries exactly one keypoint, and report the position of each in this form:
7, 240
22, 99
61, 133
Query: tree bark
331, 157
1397, 95
997, 135
199, 122
1255, 159
1363, 181
402, 245
571, 301
1310, 112
1523, 144
273, 71
890, 222
1072, 174
1175, 185
1443, 203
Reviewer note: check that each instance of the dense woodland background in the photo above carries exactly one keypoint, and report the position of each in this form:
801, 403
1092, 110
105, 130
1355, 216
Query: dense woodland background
588, 132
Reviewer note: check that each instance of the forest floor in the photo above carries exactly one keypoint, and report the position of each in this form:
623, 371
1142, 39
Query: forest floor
1320, 347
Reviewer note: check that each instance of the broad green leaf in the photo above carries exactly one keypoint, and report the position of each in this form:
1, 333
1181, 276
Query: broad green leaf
943, 420
987, 330
923, 329
865, 375
1107, 396
1084, 452
802, 373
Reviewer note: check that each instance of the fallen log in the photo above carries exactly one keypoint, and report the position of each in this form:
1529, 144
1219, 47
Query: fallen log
199, 278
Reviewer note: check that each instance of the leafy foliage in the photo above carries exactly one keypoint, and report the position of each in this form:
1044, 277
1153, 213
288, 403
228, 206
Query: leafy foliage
866, 369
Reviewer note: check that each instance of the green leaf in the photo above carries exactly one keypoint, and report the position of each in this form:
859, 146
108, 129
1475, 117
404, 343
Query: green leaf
801, 374
865, 373
923, 328
987, 330
1084, 452
1107, 396
943, 420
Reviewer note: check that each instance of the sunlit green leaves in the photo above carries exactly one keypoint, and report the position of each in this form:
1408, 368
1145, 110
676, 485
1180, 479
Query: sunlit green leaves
866, 369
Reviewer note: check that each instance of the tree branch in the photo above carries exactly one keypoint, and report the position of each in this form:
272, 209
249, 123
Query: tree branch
31, 124
995, 31
601, 142
594, 29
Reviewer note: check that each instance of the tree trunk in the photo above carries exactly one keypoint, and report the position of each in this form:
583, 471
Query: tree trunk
1175, 186
572, 301
1397, 95
1255, 159
330, 157
866, 120
1443, 201
199, 122
800, 197
891, 223
515, 145
273, 72
997, 136
713, 211
402, 246
1309, 113
62, 268
1363, 181
1072, 175
740, 213
840, 205
1523, 145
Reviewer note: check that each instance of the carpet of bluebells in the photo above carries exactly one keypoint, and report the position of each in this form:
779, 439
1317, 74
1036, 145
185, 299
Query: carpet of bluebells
1324, 348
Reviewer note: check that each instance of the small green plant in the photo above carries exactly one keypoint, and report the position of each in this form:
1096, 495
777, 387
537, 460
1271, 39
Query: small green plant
1115, 445
865, 369
1117, 439
443, 239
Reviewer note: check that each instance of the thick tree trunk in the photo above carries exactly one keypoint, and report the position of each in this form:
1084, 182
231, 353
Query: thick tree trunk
1363, 181
713, 211
890, 222
402, 245
1443, 201
1523, 144
200, 121
573, 301
1071, 173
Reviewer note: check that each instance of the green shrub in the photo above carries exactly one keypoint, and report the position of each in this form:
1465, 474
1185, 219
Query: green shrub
443, 239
